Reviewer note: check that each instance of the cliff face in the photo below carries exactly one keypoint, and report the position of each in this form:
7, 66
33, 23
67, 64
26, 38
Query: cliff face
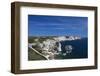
63, 38
51, 46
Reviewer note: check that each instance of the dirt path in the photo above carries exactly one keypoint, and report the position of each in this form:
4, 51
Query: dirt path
30, 46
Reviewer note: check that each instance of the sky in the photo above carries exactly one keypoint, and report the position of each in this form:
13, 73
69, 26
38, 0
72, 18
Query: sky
46, 25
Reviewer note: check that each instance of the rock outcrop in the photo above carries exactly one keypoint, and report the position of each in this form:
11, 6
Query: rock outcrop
51, 46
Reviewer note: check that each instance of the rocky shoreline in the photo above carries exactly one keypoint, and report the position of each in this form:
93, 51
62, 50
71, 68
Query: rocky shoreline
50, 47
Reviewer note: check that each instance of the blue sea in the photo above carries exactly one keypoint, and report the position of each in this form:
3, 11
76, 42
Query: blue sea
79, 48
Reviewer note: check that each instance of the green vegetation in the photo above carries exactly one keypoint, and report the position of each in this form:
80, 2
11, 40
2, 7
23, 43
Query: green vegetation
32, 55
40, 39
